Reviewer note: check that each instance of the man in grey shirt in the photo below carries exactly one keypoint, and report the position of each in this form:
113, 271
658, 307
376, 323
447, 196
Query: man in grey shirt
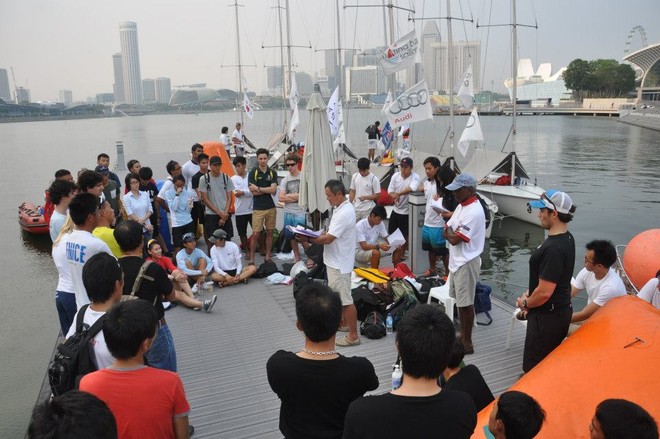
216, 188
293, 214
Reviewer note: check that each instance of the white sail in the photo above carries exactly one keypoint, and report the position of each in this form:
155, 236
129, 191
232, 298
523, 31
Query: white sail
341, 134
332, 112
472, 131
466, 88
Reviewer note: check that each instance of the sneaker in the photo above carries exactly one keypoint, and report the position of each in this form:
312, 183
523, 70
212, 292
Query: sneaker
191, 430
208, 304
345, 341
195, 288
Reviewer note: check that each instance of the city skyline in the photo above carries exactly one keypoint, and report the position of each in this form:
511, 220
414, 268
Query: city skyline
202, 47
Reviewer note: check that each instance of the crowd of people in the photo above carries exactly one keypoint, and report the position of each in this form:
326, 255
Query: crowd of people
108, 245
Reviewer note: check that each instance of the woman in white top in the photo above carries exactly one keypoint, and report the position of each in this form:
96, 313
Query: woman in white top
138, 205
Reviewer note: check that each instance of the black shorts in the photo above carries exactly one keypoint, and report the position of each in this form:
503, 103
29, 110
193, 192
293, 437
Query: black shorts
211, 224
178, 232
242, 222
154, 222
398, 221
231, 273
197, 212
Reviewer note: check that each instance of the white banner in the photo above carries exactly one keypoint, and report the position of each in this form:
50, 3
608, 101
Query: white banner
411, 106
341, 135
333, 112
247, 105
294, 98
472, 131
400, 55
466, 88
388, 101
295, 120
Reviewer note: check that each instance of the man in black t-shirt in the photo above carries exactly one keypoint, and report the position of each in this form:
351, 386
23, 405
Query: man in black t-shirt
148, 185
466, 379
547, 302
262, 182
203, 161
129, 237
418, 409
317, 384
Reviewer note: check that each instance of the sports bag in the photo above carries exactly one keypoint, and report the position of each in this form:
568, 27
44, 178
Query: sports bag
265, 270
401, 287
373, 326
401, 270
301, 280
372, 275
366, 302
399, 308
74, 358
482, 302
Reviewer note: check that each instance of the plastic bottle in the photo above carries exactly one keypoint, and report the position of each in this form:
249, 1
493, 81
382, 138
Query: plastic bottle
397, 377
389, 324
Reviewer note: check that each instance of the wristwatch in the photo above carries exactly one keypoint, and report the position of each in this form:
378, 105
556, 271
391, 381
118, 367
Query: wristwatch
524, 303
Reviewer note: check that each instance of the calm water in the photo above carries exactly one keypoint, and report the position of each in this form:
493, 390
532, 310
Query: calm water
609, 169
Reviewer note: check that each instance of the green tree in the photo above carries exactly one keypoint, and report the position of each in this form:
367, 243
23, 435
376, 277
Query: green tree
578, 78
601, 78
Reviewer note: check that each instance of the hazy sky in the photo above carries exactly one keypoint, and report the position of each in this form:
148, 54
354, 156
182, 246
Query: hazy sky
68, 44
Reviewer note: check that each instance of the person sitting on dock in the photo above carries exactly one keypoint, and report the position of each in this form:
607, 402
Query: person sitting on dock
651, 291
196, 264
60, 193
598, 278
371, 238
146, 402
317, 384
515, 415
466, 379
622, 419
227, 261
424, 338
364, 189
104, 282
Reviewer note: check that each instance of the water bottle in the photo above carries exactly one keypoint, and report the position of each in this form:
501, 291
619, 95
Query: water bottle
389, 324
397, 377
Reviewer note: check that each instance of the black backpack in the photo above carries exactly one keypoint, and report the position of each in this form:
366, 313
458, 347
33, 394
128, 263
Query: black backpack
301, 280
265, 270
75, 357
366, 301
482, 302
399, 308
373, 326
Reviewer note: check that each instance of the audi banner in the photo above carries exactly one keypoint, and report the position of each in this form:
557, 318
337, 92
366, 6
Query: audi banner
411, 106
400, 55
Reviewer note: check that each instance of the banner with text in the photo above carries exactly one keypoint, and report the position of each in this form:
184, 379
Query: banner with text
400, 55
411, 106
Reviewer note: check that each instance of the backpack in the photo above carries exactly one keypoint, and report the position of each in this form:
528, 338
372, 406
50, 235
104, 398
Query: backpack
231, 201
265, 270
74, 358
138, 281
482, 302
399, 308
401, 270
301, 280
372, 275
373, 326
366, 302
401, 287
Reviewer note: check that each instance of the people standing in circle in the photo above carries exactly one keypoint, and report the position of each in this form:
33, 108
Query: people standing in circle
216, 190
262, 182
373, 135
243, 202
294, 215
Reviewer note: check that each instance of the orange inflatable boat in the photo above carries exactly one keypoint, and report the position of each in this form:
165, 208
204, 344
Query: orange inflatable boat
615, 354
31, 218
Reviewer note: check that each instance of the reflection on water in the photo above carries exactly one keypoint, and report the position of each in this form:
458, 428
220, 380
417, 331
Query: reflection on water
36, 245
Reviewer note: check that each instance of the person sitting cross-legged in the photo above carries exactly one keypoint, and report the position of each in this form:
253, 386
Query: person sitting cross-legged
227, 264
193, 262
371, 234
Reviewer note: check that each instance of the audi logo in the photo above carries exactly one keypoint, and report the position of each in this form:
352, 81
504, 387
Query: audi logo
405, 102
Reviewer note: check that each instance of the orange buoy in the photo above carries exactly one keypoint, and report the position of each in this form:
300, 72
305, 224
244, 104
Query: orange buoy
641, 259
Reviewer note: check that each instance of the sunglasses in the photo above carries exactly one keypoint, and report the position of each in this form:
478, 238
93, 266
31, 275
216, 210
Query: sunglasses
291, 164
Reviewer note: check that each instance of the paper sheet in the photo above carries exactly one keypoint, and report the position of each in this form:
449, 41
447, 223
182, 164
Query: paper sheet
299, 230
437, 206
396, 240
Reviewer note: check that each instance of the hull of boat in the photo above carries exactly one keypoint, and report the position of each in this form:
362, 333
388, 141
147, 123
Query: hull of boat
512, 200
31, 219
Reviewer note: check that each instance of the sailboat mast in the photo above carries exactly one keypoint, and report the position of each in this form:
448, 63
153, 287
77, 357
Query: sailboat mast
339, 63
238, 56
288, 47
283, 72
391, 80
514, 73
450, 75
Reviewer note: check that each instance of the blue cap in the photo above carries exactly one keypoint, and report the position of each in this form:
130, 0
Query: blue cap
462, 180
554, 200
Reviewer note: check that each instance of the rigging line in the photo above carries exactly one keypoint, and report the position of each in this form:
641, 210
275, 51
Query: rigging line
488, 27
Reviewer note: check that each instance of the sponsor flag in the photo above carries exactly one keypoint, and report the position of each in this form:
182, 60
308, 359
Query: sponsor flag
247, 105
332, 112
472, 131
295, 120
403, 129
341, 135
400, 55
386, 136
294, 97
466, 88
388, 101
411, 106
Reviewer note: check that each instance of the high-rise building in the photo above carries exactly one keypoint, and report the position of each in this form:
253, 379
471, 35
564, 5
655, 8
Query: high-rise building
304, 84
130, 61
22, 95
65, 97
464, 54
148, 91
163, 90
365, 80
431, 70
105, 98
5, 94
331, 67
274, 77
118, 86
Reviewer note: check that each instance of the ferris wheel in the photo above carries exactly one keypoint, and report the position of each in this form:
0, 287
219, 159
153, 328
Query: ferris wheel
642, 36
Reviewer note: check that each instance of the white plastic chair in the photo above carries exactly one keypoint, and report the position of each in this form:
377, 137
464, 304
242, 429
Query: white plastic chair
513, 320
441, 294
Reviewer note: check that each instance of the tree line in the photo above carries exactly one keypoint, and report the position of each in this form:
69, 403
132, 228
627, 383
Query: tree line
601, 78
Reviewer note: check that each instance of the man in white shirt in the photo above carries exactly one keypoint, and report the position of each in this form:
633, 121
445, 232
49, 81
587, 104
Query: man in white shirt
339, 241
60, 193
294, 215
237, 140
243, 201
173, 169
401, 184
104, 281
432, 240
371, 240
651, 291
188, 170
75, 248
598, 278
227, 263
226, 140
466, 232
364, 190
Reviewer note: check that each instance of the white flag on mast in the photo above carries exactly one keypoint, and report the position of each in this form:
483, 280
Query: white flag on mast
388, 101
411, 106
472, 131
341, 135
466, 88
333, 113
294, 98
295, 120
400, 55
247, 105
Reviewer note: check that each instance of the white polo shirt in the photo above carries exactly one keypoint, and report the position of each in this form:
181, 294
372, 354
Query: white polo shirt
368, 185
398, 184
431, 217
339, 253
650, 292
469, 223
365, 232
599, 291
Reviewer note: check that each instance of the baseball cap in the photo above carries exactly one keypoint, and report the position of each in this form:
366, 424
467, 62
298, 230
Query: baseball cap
189, 237
554, 200
215, 160
462, 180
406, 161
218, 235
102, 169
